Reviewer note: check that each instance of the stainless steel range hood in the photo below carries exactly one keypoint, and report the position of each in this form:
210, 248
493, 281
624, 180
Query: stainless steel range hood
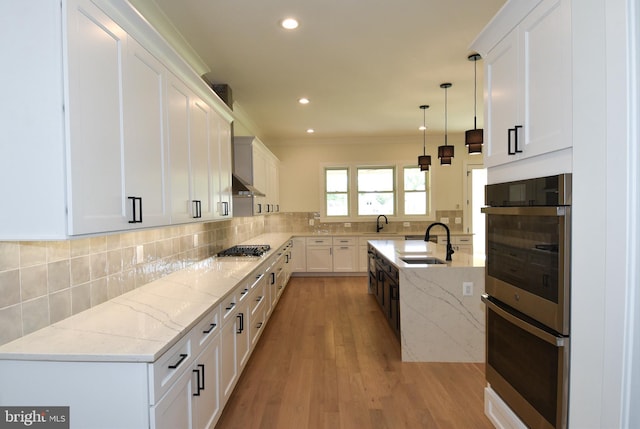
241, 188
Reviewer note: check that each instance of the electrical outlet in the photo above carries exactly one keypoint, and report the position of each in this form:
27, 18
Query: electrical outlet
458, 220
139, 254
467, 288
347, 224
444, 220
195, 240
406, 224
311, 222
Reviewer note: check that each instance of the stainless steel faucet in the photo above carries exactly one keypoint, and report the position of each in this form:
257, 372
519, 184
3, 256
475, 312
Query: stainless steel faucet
378, 225
449, 246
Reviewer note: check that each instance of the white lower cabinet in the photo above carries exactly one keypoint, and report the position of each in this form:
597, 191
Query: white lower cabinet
187, 387
174, 409
298, 261
319, 254
345, 255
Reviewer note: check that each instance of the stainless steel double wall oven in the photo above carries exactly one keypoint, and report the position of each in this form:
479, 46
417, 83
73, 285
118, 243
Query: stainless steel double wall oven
528, 230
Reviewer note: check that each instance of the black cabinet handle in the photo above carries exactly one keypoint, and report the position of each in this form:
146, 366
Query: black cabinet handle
136, 212
183, 356
273, 278
259, 325
516, 145
259, 208
244, 291
241, 327
233, 304
196, 209
259, 298
211, 328
200, 376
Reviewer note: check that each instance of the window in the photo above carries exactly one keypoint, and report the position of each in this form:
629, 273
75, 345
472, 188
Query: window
415, 191
376, 191
337, 191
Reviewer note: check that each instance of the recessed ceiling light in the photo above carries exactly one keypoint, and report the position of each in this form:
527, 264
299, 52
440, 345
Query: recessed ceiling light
303, 100
289, 23
311, 131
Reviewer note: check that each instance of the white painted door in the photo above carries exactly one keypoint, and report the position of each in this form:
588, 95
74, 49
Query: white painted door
145, 145
97, 59
501, 100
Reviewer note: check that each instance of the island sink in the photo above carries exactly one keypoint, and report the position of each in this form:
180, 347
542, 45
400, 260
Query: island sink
424, 260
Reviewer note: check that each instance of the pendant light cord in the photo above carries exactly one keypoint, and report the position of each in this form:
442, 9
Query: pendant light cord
446, 115
475, 92
424, 131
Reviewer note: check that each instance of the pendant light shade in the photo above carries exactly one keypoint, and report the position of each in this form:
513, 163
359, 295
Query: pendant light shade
445, 152
424, 160
474, 138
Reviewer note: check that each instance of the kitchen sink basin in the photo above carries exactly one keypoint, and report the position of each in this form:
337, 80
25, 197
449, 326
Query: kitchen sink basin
428, 260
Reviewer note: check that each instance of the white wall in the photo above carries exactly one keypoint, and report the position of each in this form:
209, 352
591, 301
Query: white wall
300, 167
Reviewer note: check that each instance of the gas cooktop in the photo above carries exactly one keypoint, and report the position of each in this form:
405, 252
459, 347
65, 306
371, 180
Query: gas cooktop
246, 250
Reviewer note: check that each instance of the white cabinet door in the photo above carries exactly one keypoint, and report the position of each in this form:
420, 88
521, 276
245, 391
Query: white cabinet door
528, 87
174, 409
199, 157
228, 360
345, 258
220, 163
178, 107
145, 148
319, 259
206, 397
226, 163
97, 56
501, 108
243, 321
545, 43
298, 255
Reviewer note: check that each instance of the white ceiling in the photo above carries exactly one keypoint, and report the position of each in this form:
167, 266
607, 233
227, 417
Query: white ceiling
366, 65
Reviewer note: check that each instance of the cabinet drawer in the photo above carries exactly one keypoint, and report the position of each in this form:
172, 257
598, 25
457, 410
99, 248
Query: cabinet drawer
205, 330
344, 241
258, 297
319, 241
164, 371
227, 308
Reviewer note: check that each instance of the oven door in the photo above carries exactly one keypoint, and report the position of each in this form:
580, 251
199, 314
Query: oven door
528, 255
527, 366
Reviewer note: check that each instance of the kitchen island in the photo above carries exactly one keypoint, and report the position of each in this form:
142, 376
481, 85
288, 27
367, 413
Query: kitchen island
441, 317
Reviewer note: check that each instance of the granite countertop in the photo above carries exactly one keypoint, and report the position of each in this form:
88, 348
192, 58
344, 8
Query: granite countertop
140, 325
394, 250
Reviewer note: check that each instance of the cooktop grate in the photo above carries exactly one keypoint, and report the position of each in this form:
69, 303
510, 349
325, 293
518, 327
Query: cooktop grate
246, 250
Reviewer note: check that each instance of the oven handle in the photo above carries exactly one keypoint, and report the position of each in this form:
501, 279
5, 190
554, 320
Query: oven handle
527, 210
540, 333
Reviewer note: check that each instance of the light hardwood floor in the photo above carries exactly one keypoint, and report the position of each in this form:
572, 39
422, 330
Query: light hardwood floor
327, 359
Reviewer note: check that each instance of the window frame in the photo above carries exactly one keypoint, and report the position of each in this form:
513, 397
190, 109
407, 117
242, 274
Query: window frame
399, 192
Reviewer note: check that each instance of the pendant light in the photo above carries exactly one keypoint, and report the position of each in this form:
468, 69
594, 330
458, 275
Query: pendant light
473, 139
424, 160
445, 152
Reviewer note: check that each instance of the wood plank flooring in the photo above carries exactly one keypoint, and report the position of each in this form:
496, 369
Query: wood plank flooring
327, 359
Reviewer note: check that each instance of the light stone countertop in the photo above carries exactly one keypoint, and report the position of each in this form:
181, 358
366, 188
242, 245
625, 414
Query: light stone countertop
140, 325
394, 250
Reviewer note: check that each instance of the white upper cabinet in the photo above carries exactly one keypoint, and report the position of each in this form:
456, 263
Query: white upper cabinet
145, 146
527, 80
88, 119
97, 59
256, 165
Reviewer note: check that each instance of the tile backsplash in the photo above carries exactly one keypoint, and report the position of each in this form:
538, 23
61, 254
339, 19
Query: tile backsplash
42, 282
